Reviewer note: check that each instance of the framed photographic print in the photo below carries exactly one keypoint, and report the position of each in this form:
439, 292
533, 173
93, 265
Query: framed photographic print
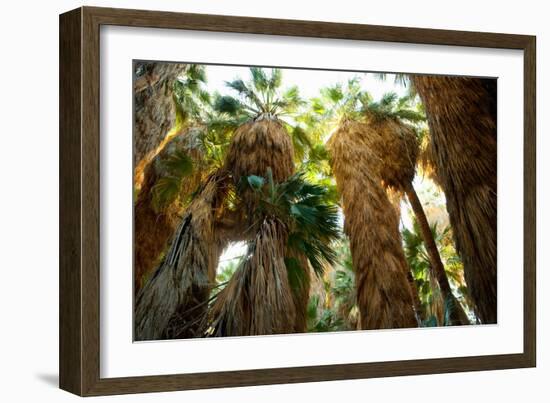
249, 201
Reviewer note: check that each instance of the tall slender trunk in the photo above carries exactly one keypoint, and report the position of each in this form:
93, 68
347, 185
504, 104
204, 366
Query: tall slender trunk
418, 307
457, 315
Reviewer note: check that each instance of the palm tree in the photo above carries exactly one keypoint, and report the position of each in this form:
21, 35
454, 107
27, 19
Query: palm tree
435, 306
389, 151
174, 301
461, 113
264, 140
384, 294
267, 142
169, 304
168, 176
462, 117
334, 307
398, 147
456, 314
265, 294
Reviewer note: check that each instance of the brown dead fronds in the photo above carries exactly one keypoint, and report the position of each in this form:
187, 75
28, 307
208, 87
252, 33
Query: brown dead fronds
179, 288
258, 299
259, 145
384, 295
462, 118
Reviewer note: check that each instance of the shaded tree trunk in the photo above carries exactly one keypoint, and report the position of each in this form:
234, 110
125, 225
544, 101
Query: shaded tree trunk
462, 118
457, 315
155, 225
418, 307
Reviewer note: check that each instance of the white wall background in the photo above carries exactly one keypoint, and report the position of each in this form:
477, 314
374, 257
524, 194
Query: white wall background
29, 198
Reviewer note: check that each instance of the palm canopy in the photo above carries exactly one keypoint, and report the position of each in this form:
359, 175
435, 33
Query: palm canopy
261, 95
333, 103
190, 95
350, 101
293, 225
391, 106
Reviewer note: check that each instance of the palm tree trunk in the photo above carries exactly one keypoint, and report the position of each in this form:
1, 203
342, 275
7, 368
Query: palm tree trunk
463, 130
384, 294
155, 111
258, 299
418, 307
457, 314
257, 146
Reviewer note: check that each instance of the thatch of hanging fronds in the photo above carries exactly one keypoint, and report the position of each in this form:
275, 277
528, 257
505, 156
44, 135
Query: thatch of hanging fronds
258, 299
396, 143
259, 145
179, 288
383, 291
461, 114
395, 147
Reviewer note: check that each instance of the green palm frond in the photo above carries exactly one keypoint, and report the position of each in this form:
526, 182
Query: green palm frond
390, 106
190, 96
196, 72
296, 274
165, 191
276, 79
388, 100
179, 164
335, 102
259, 79
261, 95
301, 141
334, 93
252, 100
312, 223
227, 104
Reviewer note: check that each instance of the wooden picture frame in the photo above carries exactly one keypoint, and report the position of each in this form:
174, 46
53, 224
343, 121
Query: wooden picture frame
79, 201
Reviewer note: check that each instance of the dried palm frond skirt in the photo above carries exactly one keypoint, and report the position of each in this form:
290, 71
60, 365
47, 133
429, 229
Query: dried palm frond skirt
178, 290
384, 295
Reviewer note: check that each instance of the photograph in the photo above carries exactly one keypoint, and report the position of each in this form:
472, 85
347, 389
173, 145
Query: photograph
271, 200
